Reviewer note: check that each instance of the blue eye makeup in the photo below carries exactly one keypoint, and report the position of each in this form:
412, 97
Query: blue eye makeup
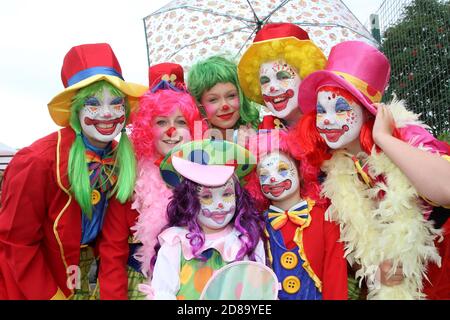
283, 172
92, 101
342, 105
320, 109
118, 100
263, 178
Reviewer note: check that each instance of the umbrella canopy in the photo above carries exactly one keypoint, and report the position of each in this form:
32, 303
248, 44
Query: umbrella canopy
6, 154
185, 31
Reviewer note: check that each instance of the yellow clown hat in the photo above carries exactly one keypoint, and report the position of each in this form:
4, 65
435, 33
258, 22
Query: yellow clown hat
84, 65
287, 35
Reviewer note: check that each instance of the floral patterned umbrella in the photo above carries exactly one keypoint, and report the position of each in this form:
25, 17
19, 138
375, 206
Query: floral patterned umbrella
185, 31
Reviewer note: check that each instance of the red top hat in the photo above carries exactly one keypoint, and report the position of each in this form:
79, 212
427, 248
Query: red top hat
171, 72
87, 60
273, 31
84, 65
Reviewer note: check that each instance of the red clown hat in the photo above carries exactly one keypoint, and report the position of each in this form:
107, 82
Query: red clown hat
84, 65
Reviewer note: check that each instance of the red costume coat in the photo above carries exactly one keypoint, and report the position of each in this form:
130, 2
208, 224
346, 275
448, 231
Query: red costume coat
40, 227
324, 252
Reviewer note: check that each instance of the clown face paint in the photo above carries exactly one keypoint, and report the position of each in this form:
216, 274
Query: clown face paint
170, 131
339, 120
102, 117
278, 176
221, 104
218, 206
279, 87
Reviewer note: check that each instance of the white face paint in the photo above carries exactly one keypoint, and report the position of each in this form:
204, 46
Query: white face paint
218, 205
279, 86
278, 176
102, 117
339, 121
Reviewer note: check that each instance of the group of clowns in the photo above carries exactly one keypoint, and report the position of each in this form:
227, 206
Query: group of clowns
330, 186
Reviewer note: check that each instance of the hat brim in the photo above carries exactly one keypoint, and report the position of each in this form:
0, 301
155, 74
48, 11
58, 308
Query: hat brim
208, 158
307, 99
206, 175
59, 106
248, 58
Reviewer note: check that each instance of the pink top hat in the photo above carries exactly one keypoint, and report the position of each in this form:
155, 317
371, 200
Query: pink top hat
355, 66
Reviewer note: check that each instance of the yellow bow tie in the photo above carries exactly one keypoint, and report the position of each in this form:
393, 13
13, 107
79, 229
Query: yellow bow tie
299, 216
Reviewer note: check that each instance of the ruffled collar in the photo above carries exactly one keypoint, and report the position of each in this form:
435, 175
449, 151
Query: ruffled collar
226, 242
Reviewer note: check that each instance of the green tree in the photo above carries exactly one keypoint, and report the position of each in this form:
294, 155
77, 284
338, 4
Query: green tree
418, 47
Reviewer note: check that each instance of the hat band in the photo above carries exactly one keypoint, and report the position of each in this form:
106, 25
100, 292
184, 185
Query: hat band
374, 95
86, 73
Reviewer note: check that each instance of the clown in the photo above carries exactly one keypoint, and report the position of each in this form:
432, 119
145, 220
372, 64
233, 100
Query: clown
273, 67
69, 192
166, 119
215, 86
383, 222
212, 221
303, 247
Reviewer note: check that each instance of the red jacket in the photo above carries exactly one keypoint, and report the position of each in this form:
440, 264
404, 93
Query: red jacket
40, 227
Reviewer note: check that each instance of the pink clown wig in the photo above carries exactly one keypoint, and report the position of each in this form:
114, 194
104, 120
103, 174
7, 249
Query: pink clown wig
265, 143
151, 195
161, 103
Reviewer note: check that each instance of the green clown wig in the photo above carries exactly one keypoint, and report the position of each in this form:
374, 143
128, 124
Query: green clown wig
207, 73
125, 161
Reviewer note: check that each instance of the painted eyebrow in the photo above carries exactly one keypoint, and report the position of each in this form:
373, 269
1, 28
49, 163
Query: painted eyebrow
118, 100
92, 100
341, 103
320, 107
229, 189
283, 164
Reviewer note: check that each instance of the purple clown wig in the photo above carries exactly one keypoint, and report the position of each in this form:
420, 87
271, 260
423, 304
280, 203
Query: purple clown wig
184, 207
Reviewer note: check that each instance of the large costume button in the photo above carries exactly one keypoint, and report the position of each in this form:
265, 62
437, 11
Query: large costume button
291, 284
95, 197
289, 260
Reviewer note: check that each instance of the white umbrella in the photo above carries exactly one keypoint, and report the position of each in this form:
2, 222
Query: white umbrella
185, 31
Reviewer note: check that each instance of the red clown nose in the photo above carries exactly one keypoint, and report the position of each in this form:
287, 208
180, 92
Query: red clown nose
171, 131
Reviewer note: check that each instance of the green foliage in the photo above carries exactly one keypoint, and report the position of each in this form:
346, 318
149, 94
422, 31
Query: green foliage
445, 136
418, 47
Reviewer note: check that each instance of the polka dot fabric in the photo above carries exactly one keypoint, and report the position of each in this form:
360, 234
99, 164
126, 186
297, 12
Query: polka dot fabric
208, 152
185, 31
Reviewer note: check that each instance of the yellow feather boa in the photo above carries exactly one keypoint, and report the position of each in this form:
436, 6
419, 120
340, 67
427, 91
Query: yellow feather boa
377, 230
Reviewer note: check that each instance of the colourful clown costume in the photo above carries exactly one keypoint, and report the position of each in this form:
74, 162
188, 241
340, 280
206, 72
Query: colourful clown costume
206, 230
302, 246
272, 68
381, 215
49, 229
167, 97
179, 271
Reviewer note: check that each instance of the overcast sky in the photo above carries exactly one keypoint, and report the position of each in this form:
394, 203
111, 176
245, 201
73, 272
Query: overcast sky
35, 36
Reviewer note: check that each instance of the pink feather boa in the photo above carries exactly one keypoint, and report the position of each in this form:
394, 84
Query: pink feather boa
150, 200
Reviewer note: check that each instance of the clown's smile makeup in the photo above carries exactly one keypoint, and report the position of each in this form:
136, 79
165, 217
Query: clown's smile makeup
278, 176
339, 117
217, 205
280, 102
221, 104
279, 87
104, 127
102, 117
333, 135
